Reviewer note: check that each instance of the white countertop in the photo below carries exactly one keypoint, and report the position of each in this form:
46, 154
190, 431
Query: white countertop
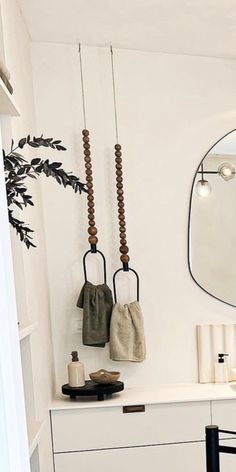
169, 393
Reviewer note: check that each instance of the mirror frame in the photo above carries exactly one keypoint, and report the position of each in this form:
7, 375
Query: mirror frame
189, 222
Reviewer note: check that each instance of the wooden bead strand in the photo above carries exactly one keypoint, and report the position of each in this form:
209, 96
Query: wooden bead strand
121, 207
92, 230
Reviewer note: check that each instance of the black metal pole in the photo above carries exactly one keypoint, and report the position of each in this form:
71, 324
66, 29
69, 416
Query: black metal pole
212, 449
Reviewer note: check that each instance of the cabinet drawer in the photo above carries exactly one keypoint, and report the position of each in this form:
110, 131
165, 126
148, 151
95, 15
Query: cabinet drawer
224, 414
98, 428
168, 458
228, 461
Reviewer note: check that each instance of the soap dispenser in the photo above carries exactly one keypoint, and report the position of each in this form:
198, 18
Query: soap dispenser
221, 369
76, 371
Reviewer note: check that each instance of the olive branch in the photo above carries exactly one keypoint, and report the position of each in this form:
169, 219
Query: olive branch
18, 170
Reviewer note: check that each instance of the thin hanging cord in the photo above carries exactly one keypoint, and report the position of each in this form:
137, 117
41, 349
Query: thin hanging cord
114, 93
82, 85
202, 172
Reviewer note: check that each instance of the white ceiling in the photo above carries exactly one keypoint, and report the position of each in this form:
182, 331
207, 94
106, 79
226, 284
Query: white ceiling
198, 27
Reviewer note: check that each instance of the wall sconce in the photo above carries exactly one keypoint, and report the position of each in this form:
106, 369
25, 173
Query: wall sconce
203, 188
226, 171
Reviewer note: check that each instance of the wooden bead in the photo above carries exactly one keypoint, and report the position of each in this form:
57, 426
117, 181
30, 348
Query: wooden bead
87, 160
121, 204
118, 160
122, 217
123, 235
118, 154
124, 249
92, 230
86, 139
91, 223
90, 191
123, 241
124, 258
91, 204
90, 198
87, 152
119, 181
120, 191
121, 211
117, 147
85, 132
122, 224
89, 178
119, 173
118, 166
86, 146
93, 239
89, 185
120, 198
88, 165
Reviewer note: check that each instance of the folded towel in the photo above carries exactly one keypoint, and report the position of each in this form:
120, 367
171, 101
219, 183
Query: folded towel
97, 303
127, 340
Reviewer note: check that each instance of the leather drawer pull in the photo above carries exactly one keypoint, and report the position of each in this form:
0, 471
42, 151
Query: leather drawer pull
134, 409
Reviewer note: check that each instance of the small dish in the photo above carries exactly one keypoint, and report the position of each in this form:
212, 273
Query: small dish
103, 376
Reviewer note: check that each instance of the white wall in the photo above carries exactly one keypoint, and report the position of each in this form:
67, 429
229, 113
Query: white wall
30, 266
171, 109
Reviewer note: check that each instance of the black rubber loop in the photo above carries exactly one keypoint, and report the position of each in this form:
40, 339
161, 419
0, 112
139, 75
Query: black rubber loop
104, 264
114, 281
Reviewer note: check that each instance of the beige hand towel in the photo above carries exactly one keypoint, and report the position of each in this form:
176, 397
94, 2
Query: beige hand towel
127, 341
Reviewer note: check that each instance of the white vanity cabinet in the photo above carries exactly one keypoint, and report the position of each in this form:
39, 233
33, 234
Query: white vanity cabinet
166, 437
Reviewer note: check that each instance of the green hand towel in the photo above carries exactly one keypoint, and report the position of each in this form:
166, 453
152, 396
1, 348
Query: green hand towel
97, 303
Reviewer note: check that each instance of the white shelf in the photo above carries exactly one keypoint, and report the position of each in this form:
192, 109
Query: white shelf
26, 330
7, 103
34, 433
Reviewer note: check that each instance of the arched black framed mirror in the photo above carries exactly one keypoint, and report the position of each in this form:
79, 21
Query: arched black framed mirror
212, 221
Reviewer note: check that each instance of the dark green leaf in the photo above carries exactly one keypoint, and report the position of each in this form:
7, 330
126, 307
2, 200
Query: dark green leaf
32, 144
35, 161
21, 190
32, 176
21, 171
56, 165
21, 143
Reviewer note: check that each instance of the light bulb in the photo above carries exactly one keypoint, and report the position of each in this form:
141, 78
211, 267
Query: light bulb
226, 171
203, 188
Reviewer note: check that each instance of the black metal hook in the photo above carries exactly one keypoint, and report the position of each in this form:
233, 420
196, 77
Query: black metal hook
125, 270
94, 251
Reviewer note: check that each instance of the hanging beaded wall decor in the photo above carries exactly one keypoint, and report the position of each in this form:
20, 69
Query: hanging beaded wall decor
92, 230
124, 250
